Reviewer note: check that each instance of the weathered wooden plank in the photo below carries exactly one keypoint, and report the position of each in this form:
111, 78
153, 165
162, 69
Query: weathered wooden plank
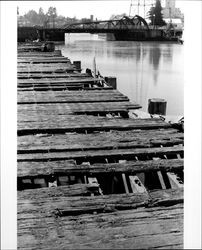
49, 206
75, 100
42, 57
51, 81
62, 191
74, 108
43, 65
68, 87
28, 97
43, 60
34, 169
50, 75
71, 94
48, 124
103, 140
166, 198
29, 54
133, 229
89, 155
36, 68
33, 48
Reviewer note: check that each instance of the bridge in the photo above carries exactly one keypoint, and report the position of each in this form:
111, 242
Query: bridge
126, 28
109, 26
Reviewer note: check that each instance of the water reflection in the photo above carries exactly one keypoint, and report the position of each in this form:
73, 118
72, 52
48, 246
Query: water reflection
167, 54
143, 69
154, 57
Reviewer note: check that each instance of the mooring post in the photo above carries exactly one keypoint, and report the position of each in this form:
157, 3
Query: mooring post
50, 46
157, 106
44, 36
77, 64
111, 80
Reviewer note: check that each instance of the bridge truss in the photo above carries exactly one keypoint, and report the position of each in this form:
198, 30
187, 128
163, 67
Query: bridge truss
125, 23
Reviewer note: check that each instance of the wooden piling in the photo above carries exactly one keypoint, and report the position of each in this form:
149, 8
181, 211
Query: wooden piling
77, 64
157, 106
48, 47
111, 80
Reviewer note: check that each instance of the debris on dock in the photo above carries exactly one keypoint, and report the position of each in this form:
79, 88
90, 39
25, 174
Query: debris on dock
90, 175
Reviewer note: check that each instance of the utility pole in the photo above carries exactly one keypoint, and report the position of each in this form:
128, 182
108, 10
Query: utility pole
140, 5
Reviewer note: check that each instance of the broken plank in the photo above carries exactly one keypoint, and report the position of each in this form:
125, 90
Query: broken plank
167, 197
132, 229
48, 206
62, 191
64, 167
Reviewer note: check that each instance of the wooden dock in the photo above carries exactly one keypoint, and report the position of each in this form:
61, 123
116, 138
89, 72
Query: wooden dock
89, 175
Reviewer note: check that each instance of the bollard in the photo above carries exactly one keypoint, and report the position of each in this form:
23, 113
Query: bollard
77, 64
111, 80
157, 106
48, 47
44, 35
89, 72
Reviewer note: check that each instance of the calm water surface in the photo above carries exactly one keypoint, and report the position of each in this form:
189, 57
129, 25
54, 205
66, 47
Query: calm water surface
143, 69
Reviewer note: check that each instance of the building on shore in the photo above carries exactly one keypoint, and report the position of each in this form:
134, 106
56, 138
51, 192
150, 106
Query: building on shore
170, 11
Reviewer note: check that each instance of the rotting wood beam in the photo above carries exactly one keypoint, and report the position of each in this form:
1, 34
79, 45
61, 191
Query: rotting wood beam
141, 228
63, 191
91, 155
65, 167
47, 206
103, 140
68, 206
166, 197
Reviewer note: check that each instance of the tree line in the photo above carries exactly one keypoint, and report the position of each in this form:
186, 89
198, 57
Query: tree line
51, 19
40, 18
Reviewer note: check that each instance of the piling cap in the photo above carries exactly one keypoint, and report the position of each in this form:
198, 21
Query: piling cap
157, 100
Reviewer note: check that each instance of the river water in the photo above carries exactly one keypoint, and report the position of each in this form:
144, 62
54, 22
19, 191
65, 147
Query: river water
143, 69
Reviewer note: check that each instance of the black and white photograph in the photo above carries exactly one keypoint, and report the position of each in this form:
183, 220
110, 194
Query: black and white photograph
103, 124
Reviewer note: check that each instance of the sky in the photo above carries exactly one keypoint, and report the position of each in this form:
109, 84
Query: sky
101, 9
